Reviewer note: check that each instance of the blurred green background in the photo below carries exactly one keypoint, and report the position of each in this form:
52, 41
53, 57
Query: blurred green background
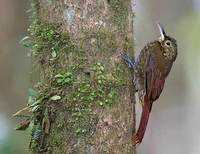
14, 74
175, 120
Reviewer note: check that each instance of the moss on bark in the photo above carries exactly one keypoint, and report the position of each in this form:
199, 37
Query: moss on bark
83, 102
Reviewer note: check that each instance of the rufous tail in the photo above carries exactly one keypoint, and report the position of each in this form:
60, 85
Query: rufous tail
137, 138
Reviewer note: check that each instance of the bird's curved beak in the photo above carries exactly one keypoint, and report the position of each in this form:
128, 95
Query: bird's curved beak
162, 31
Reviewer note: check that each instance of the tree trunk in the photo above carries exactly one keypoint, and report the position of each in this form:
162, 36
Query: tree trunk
85, 99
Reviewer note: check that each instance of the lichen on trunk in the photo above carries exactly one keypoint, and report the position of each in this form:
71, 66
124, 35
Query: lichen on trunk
84, 99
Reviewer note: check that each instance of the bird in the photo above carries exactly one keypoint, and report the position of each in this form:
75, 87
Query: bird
150, 71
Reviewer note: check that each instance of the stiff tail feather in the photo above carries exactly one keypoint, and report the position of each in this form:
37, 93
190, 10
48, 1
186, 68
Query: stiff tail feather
137, 138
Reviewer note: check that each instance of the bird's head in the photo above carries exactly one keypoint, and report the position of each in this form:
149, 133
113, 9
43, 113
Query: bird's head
168, 44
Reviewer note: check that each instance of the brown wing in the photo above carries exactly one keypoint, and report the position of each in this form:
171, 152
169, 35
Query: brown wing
154, 81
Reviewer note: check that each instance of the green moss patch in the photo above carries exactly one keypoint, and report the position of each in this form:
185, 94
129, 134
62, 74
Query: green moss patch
71, 83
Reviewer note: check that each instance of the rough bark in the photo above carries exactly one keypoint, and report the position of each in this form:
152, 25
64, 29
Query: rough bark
86, 100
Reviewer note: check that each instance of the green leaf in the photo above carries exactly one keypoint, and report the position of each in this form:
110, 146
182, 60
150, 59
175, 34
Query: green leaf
101, 103
55, 98
78, 130
101, 68
30, 100
59, 80
54, 54
32, 92
25, 38
58, 76
36, 103
98, 63
68, 74
67, 80
26, 42
35, 108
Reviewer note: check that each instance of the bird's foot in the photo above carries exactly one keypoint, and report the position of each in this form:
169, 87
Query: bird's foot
128, 60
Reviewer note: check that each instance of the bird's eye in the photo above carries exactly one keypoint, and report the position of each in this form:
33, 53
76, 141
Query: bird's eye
168, 43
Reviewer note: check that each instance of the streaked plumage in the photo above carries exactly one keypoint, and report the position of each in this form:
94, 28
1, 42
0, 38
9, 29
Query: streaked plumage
151, 69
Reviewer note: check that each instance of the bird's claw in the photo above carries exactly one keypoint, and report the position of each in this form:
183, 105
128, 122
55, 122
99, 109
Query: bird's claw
128, 60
